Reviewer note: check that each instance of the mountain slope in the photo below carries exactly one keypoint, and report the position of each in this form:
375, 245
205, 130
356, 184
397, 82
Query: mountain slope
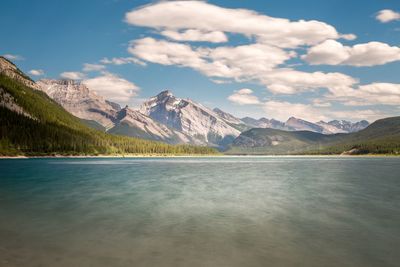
272, 141
381, 137
190, 118
33, 124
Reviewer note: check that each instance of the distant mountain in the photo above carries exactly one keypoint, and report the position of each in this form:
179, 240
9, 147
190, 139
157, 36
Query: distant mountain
296, 124
191, 118
83, 103
263, 123
382, 136
31, 123
345, 126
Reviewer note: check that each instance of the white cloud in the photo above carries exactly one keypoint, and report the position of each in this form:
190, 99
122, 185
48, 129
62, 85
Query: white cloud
240, 62
244, 97
73, 75
196, 36
205, 17
349, 37
332, 52
165, 53
367, 95
93, 67
321, 103
113, 87
13, 57
36, 72
122, 61
387, 15
219, 81
289, 81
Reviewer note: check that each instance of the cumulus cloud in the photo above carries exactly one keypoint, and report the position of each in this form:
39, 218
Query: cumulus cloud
13, 57
332, 52
113, 87
36, 72
289, 81
240, 62
244, 97
387, 15
93, 67
368, 94
196, 36
206, 18
73, 75
122, 61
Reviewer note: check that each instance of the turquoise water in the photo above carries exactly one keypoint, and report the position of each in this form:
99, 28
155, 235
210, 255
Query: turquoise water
261, 211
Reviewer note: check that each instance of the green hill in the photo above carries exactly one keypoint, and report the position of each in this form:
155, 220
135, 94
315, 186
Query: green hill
381, 137
33, 124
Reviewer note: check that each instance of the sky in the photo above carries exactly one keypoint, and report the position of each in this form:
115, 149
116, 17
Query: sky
315, 60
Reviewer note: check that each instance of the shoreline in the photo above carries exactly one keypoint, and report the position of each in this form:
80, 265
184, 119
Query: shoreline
192, 156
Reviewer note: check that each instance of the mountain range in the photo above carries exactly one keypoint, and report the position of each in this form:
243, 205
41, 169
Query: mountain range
174, 120
74, 111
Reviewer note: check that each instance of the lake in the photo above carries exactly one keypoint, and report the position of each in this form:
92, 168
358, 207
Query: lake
223, 211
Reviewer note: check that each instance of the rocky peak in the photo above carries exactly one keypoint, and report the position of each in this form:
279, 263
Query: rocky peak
10, 69
76, 98
189, 117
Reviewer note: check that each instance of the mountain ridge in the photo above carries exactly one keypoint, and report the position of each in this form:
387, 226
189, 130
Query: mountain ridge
380, 137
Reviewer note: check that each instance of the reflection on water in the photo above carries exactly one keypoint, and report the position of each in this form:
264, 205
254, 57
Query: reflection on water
259, 211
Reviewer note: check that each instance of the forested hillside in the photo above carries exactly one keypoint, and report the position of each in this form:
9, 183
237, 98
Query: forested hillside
39, 126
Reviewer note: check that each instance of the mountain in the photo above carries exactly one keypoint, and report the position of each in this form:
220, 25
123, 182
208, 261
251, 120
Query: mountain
345, 126
31, 123
133, 123
83, 103
382, 136
295, 124
191, 118
263, 123
77, 99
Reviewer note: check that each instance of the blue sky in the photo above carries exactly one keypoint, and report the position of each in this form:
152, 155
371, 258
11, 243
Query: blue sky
342, 62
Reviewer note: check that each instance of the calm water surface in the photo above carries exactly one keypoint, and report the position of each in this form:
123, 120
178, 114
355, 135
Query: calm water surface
261, 211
